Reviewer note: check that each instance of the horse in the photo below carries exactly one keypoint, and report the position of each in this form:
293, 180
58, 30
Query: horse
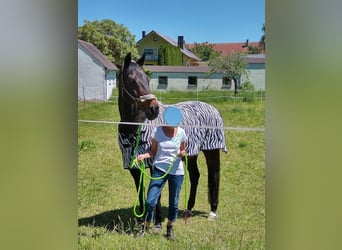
202, 122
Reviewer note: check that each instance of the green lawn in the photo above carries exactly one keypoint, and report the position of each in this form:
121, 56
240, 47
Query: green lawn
106, 192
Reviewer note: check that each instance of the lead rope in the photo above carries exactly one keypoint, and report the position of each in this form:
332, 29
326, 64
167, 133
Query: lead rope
141, 166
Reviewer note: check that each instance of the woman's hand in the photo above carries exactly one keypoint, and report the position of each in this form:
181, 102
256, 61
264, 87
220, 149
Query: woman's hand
141, 157
182, 153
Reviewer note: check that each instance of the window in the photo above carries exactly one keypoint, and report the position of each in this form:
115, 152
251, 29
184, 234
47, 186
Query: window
150, 55
192, 82
148, 51
155, 38
162, 82
226, 83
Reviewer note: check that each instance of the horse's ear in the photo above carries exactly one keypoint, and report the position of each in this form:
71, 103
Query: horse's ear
128, 60
141, 60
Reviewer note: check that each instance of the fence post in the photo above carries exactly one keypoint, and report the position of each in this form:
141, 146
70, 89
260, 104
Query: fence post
83, 97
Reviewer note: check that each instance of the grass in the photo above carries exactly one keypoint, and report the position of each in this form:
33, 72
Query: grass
106, 191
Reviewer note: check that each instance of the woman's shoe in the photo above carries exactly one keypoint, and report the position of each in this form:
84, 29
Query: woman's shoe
169, 233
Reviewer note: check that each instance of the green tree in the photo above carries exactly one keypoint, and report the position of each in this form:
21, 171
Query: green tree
251, 49
205, 51
254, 50
233, 67
112, 39
263, 38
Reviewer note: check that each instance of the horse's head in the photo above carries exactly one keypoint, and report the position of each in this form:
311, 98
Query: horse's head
135, 88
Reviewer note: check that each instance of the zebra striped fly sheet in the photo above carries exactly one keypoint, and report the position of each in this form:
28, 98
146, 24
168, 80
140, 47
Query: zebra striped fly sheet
202, 123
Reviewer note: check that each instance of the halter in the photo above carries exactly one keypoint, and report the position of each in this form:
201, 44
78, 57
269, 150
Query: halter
142, 98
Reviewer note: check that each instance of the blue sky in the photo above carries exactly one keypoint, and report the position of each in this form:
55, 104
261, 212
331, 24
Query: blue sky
216, 21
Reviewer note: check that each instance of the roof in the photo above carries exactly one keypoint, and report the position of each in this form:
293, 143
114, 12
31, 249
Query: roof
102, 59
182, 69
255, 58
228, 48
185, 51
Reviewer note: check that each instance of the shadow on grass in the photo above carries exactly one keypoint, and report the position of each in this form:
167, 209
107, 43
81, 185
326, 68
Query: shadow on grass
123, 221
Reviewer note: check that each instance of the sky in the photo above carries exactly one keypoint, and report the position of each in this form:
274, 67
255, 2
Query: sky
216, 21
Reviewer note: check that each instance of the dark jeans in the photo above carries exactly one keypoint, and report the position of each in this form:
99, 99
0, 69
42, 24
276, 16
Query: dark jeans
155, 188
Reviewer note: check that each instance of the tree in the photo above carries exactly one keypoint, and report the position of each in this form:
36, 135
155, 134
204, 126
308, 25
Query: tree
263, 38
232, 66
112, 39
205, 51
251, 49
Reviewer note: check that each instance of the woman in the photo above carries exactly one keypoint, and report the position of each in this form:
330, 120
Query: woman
167, 149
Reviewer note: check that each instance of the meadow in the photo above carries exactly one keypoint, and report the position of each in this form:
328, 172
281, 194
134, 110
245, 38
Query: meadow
106, 192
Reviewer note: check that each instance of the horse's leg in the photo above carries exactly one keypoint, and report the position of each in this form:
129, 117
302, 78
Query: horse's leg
136, 176
194, 176
213, 164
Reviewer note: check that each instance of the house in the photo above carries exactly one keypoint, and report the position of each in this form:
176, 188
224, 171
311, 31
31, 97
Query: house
198, 77
194, 73
255, 62
256, 69
185, 78
96, 74
150, 44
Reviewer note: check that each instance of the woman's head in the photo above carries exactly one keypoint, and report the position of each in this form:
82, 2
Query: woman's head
172, 116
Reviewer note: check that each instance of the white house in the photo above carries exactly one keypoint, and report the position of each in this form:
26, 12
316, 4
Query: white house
256, 69
198, 77
96, 74
184, 77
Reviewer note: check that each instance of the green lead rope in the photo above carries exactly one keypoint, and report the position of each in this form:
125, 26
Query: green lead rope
141, 166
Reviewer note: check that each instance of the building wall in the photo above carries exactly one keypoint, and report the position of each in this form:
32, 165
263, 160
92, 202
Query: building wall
93, 81
256, 76
150, 43
110, 82
179, 81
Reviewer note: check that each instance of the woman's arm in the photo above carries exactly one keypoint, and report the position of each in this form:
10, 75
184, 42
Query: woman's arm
182, 151
151, 153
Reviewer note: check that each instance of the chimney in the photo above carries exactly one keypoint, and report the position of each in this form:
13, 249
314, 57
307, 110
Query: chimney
246, 44
181, 42
143, 33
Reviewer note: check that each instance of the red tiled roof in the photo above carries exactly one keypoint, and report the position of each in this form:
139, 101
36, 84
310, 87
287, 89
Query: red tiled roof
228, 48
97, 55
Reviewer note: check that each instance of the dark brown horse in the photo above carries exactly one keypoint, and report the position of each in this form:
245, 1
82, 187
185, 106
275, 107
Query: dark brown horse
202, 123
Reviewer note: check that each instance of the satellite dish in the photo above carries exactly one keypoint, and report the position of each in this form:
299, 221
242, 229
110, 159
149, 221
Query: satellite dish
173, 116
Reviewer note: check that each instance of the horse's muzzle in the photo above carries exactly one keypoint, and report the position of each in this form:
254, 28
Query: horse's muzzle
153, 110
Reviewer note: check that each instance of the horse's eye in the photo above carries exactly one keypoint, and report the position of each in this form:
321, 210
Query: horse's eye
132, 81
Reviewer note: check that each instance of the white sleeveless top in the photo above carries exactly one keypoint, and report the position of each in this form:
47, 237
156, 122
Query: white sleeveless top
167, 150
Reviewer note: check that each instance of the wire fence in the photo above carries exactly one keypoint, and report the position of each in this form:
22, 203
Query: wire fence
97, 94
204, 95
191, 95
183, 126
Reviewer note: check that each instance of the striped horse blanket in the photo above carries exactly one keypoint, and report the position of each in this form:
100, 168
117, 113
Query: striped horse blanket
203, 125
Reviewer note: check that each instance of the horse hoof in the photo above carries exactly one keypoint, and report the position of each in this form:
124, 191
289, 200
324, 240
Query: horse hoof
187, 213
212, 216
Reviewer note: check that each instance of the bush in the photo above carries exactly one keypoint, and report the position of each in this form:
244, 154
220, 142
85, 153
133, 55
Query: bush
247, 86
